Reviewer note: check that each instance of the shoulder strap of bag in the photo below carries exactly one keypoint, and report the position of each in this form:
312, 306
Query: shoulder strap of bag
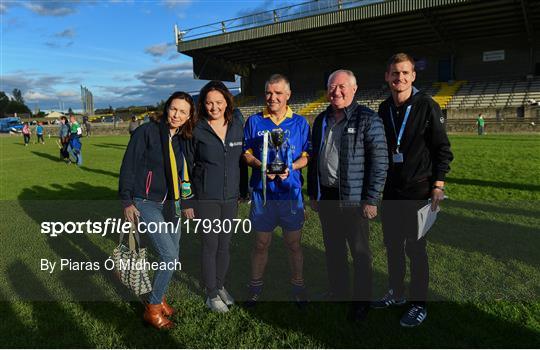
134, 240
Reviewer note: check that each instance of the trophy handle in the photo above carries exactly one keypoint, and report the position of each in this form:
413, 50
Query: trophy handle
270, 143
287, 136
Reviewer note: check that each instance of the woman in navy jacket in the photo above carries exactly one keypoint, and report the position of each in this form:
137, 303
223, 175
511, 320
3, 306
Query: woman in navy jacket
214, 157
151, 183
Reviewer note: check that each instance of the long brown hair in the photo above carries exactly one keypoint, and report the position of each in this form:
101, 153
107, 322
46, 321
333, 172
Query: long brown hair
215, 85
186, 130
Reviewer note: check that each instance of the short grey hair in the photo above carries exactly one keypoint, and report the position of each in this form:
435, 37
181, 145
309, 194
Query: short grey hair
276, 78
349, 73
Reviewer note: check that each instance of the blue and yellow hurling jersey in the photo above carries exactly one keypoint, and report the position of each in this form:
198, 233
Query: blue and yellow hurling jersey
297, 144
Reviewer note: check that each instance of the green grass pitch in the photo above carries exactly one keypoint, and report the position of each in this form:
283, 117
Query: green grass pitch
484, 261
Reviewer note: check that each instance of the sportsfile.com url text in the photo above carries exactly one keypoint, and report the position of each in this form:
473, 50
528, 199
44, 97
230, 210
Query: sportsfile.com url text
103, 228
119, 226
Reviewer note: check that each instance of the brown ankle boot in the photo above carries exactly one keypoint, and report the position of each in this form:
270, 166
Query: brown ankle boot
153, 315
167, 309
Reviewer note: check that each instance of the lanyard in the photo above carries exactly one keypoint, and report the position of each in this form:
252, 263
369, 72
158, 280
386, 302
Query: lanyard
398, 137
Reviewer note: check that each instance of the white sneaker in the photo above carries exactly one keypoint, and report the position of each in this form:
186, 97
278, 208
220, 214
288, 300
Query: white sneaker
216, 305
225, 296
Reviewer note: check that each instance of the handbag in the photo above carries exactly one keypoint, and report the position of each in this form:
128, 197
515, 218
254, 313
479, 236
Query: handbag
130, 264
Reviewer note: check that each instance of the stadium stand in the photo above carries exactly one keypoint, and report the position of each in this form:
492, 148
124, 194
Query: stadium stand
495, 94
473, 56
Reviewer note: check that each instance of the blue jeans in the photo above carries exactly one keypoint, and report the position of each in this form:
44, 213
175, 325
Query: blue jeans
166, 244
75, 154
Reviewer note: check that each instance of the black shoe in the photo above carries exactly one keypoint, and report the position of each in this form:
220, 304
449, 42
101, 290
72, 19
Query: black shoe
414, 316
253, 296
358, 313
300, 298
388, 300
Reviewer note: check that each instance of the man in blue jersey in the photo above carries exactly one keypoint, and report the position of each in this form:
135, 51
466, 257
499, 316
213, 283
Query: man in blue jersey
277, 198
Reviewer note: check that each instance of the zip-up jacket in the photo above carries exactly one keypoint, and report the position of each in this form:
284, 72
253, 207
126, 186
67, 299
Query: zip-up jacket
363, 157
146, 170
215, 167
424, 144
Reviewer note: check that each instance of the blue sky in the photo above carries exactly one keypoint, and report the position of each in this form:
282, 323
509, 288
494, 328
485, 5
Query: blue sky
122, 51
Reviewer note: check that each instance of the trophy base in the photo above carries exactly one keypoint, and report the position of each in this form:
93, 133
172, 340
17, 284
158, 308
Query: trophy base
276, 168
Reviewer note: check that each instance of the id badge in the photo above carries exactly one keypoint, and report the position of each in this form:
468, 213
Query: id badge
397, 157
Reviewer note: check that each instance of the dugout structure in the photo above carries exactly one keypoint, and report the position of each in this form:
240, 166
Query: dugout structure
450, 39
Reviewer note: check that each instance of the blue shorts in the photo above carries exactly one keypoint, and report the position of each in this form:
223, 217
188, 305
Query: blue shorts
281, 209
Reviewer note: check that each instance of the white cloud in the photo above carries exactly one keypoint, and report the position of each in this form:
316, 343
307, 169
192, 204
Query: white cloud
68, 93
175, 3
34, 96
159, 49
52, 8
145, 88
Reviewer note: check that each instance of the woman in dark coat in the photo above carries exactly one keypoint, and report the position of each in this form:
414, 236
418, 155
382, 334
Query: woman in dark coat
214, 157
152, 176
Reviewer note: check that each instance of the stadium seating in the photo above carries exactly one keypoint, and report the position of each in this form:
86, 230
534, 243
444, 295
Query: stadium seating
458, 95
496, 94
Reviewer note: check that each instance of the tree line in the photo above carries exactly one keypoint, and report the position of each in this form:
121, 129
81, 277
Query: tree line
15, 104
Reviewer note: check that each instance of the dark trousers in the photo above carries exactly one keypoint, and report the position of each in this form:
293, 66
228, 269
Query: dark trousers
342, 226
63, 151
400, 227
215, 246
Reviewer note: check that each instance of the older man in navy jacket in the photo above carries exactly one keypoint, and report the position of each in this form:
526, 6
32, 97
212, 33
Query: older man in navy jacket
346, 176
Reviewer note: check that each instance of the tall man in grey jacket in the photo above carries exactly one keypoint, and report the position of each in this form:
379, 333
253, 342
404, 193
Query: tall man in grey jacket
346, 176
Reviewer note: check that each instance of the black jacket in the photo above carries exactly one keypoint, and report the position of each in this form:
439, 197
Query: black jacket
146, 169
362, 156
215, 168
425, 145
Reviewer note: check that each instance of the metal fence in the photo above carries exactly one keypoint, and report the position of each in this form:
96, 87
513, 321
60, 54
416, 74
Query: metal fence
257, 19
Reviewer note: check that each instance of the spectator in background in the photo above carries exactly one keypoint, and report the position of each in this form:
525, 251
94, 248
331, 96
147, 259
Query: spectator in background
480, 123
39, 133
75, 145
74, 127
133, 124
64, 139
26, 133
86, 125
